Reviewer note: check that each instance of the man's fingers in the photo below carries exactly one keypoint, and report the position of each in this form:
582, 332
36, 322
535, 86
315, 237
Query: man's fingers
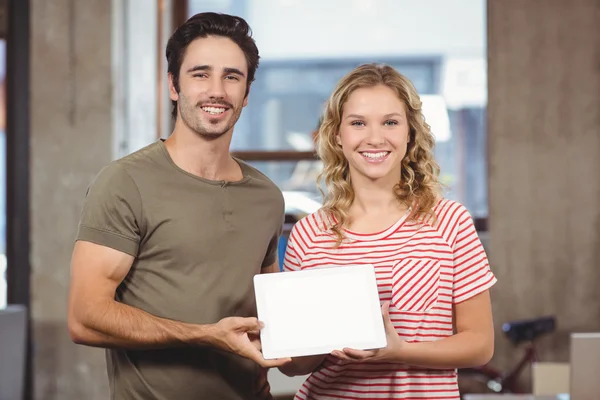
257, 344
256, 356
254, 333
248, 324
278, 362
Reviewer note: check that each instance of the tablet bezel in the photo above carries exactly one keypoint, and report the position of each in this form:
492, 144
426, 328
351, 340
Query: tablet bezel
367, 285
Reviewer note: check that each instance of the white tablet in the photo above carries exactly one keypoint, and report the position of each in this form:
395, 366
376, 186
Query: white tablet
319, 310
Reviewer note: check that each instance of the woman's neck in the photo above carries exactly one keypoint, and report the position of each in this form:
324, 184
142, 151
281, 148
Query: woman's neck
375, 208
374, 200
375, 196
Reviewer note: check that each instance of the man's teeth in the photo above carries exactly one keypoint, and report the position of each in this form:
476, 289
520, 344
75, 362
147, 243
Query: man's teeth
375, 155
213, 110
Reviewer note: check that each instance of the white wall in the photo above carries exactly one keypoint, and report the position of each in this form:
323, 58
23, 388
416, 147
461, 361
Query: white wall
343, 28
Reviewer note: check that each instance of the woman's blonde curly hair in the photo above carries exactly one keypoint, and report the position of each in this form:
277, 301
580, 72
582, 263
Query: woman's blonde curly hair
418, 189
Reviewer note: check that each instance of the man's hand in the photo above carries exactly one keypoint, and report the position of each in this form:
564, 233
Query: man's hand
240, 336
390, 353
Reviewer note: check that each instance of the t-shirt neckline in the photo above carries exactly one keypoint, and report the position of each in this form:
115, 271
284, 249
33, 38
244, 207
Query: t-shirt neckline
364, 237
245, 172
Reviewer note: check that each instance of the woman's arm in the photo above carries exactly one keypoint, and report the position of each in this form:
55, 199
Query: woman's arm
472, 345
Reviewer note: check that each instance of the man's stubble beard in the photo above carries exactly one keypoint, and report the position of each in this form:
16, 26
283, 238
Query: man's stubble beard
190, 115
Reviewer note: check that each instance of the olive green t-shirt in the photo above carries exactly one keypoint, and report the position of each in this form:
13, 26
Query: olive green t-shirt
197, 245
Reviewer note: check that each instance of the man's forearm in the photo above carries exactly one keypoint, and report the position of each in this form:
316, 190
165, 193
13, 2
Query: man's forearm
302, 365
465, 349
114, 324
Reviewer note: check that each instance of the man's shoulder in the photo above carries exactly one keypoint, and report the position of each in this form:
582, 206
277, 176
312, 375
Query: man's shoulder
136, 166
112, 175
123, 174
147, 155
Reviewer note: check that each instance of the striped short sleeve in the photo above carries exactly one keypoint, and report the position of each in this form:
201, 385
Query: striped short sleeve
472, 274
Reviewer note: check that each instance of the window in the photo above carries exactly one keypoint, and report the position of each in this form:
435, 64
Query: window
307, 46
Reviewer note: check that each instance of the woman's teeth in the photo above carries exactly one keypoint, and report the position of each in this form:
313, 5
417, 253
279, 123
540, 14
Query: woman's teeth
375, 156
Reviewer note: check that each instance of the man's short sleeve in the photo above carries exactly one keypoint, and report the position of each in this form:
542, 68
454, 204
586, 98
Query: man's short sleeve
112, 211
273, 250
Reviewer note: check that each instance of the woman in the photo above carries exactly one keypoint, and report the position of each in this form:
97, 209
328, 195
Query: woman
383, 207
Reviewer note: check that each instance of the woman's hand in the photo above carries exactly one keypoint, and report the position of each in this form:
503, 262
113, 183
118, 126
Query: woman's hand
390, 353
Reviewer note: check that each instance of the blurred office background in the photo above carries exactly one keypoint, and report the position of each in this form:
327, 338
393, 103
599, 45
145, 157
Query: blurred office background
511, 89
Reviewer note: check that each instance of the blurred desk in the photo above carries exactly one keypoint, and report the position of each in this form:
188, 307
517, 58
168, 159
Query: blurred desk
13, 334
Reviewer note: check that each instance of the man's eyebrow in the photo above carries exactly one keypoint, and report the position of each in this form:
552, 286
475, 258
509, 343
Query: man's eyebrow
200, 68
227, 70
233, 71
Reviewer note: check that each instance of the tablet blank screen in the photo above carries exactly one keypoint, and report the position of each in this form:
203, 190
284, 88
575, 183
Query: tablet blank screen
320, 310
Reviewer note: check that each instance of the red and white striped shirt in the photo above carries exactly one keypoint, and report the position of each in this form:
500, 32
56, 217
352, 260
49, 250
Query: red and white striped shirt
423, 269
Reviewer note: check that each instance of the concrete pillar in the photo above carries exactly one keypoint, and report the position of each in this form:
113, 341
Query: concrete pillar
71, 138
85, 111
544, 160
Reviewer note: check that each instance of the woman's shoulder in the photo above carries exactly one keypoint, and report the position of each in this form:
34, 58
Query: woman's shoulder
316, 223
447, 209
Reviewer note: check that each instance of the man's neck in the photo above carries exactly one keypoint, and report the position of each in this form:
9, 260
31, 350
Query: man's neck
208, 159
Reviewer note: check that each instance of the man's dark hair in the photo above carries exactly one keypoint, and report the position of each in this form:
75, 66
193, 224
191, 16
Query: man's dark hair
210, 24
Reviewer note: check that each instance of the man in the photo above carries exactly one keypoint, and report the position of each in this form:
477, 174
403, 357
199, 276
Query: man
171, 236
